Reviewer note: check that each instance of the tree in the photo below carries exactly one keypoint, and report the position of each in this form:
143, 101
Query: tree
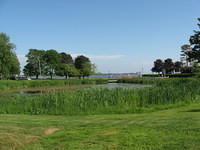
35, 63
65, 58
80, 60
67, 70
186, 69
84, 65
29, 70
66, 67
87, 69
9, 64
14, 65
158, 66
196, 67
72, 71
194, 54
178, 66
185, 50
168, 65
51, 58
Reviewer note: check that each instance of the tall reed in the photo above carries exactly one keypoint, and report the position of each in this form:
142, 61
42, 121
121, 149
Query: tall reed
163, 94
11, 84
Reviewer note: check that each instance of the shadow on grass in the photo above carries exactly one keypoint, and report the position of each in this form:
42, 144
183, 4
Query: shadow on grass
193, 110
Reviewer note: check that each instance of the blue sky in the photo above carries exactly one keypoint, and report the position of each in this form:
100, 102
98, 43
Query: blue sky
117, 35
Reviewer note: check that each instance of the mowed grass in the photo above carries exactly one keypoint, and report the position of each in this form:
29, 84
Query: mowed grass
103, 119
174, 129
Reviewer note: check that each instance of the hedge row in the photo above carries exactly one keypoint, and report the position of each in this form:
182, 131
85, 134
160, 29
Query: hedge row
176, 75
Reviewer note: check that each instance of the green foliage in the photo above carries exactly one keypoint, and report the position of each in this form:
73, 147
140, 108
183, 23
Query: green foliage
80, 60
168, 65
86, 69
65, 58
35, 63
151, 75
194, 55
181, 75
12, 84
84, 65
51, 58
178, 65
158, 66
9, 64
67, 70
66, 67
51, 63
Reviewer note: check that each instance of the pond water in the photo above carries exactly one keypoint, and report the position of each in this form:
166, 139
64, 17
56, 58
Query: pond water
109, 85
122, 85
24, 92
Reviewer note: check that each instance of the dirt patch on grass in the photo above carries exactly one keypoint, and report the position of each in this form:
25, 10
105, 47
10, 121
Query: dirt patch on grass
110, 132
12, 141
50, 131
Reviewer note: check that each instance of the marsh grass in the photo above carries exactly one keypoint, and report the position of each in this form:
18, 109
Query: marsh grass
164, 94
13, 84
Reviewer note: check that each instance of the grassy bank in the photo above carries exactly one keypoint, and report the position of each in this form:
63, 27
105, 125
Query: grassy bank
12, 84
161, 81
164, 94
102, 119
174, 129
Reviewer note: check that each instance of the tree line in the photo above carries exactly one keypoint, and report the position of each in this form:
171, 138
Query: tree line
167, 66
50, 63
41, 62
190, 58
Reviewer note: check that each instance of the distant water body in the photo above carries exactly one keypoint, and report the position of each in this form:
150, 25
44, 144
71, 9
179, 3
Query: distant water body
122, 85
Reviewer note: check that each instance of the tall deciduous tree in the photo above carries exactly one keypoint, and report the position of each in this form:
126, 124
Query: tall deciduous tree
67, 70
35, 63
84, 65
65, 58
158, 66
51, 58
9, 64
185, 50
178, 66
65, 66
168, 65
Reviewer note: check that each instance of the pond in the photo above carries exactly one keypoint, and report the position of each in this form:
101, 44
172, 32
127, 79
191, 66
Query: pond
122, 85
76, 87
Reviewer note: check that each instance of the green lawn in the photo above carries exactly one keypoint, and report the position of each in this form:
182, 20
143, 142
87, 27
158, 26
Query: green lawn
173, 129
